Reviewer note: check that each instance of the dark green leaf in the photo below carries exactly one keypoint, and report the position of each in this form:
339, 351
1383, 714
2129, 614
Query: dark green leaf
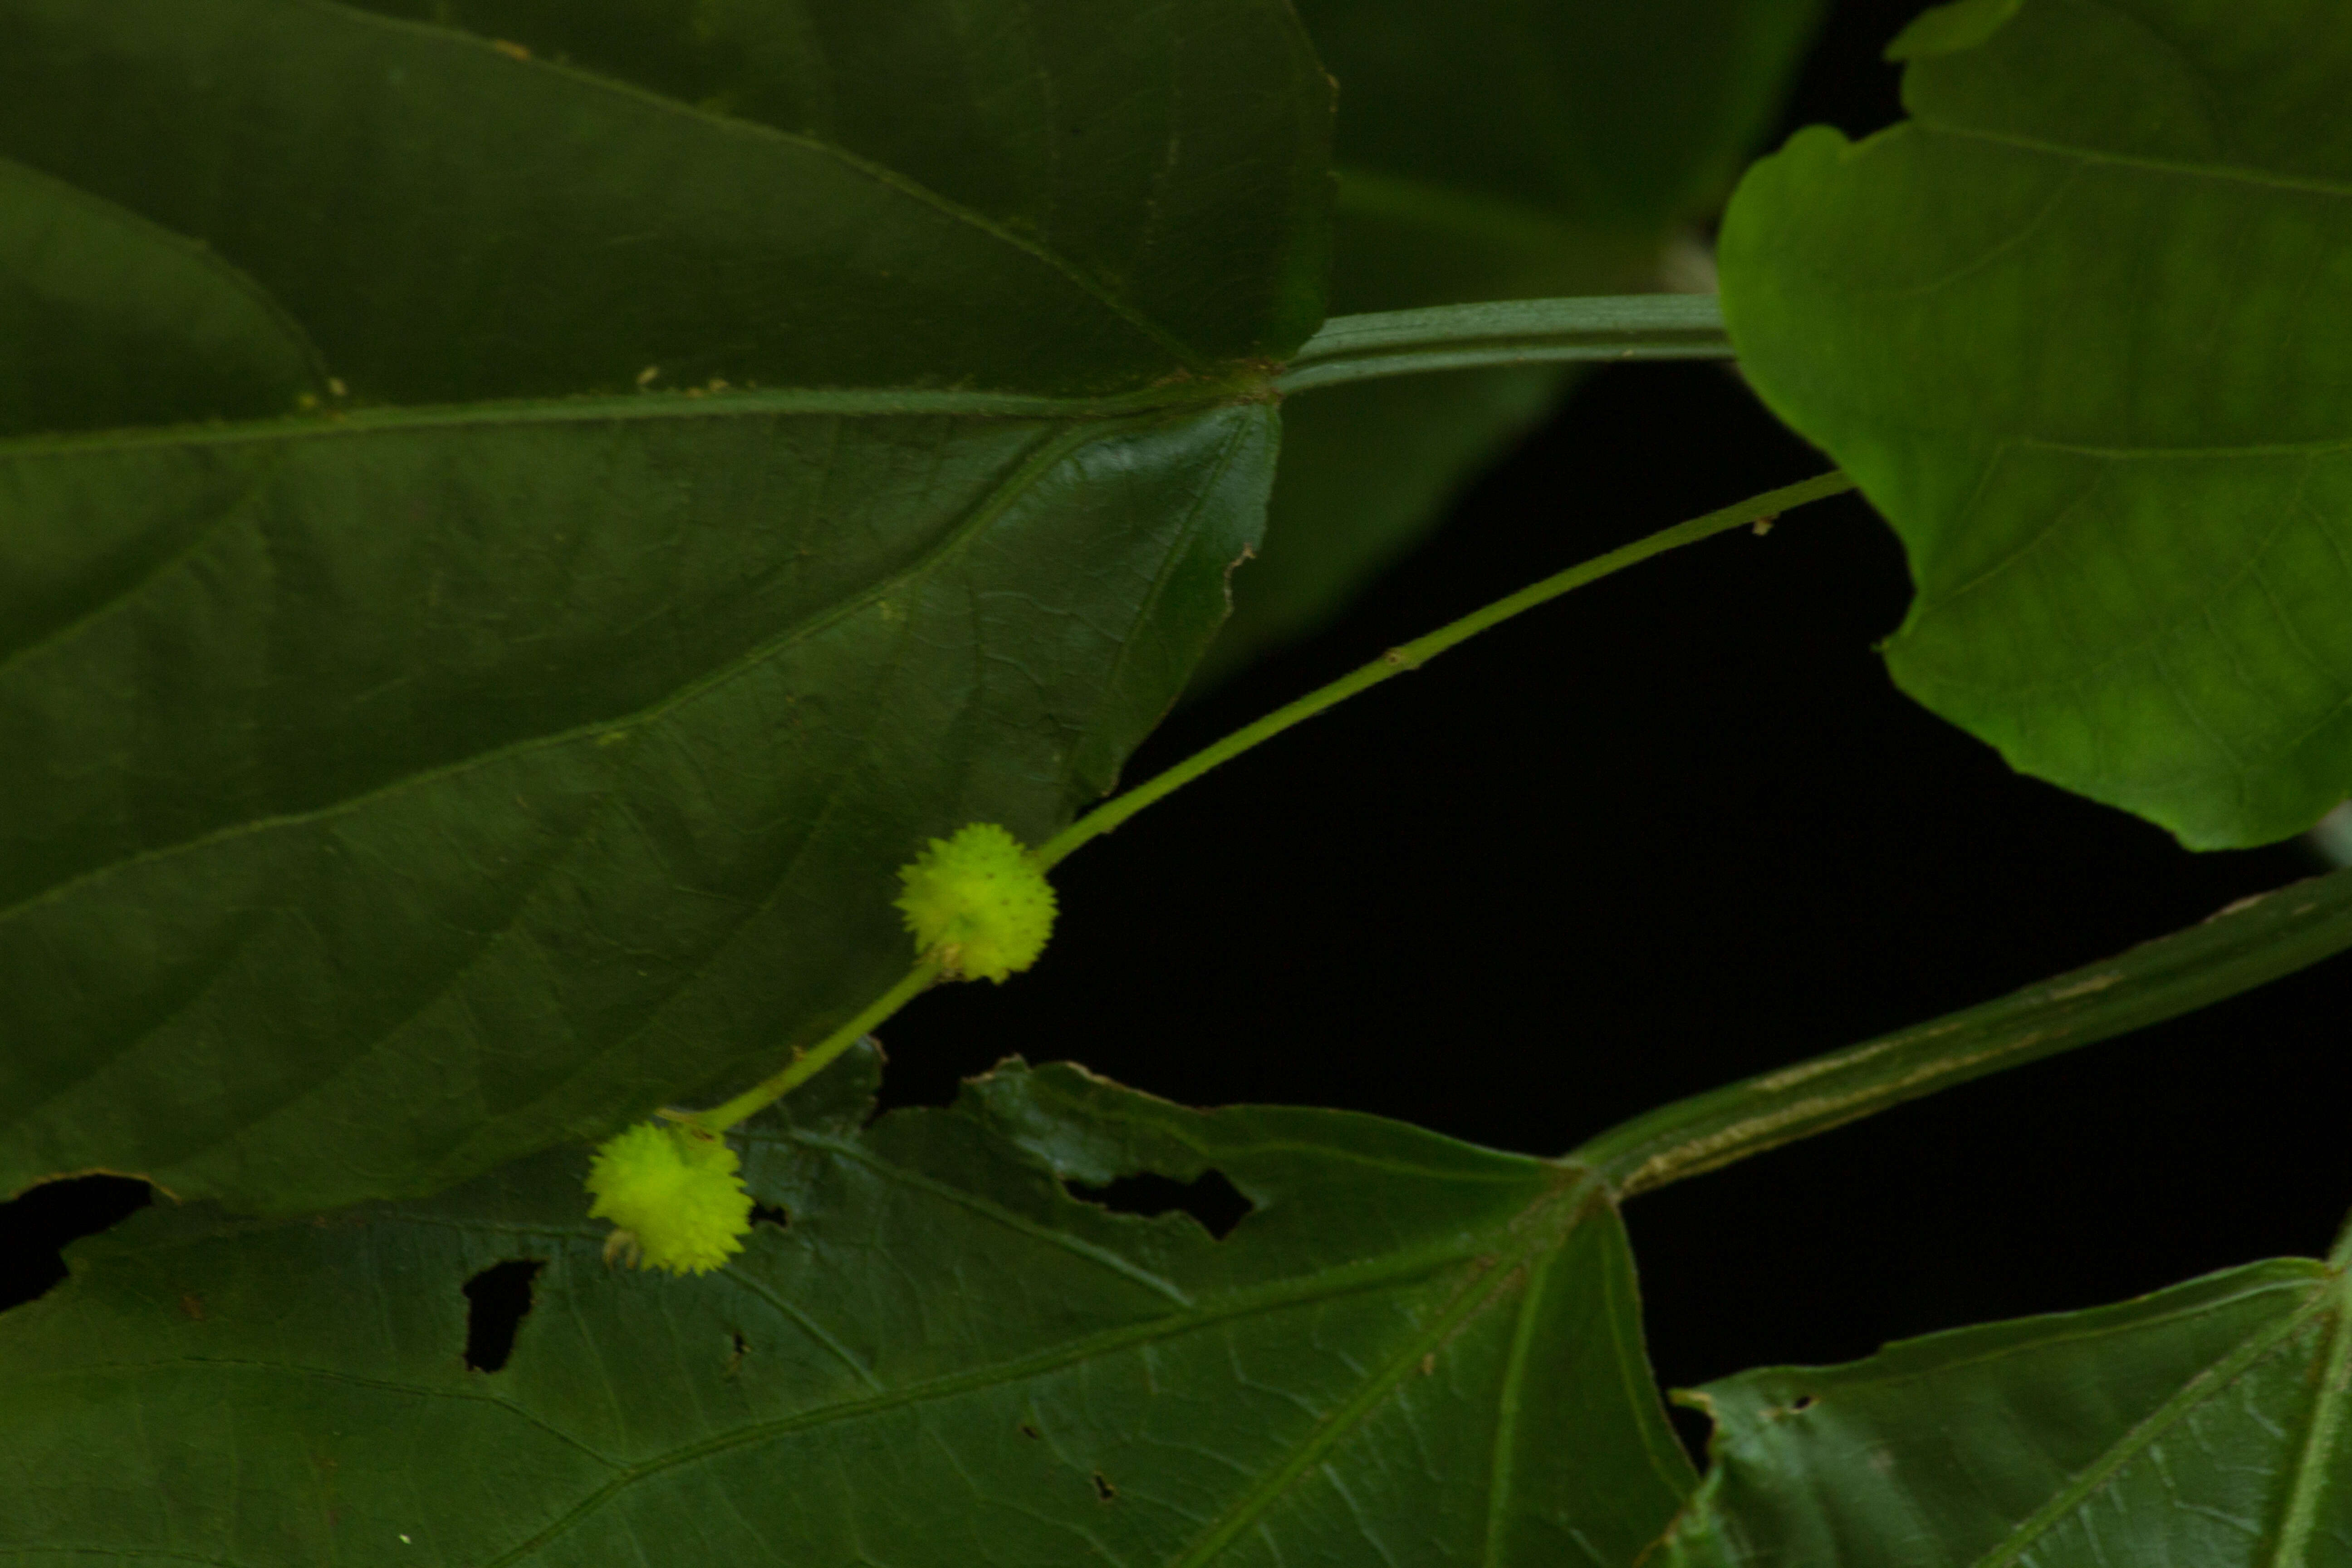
2202, 1425
1498, 152
1411, 1351
108, 319
2083, 331
397, 790
451, 221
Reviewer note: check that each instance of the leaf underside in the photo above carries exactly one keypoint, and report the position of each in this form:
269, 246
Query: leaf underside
655, 472
1410, 1351
2200, 1424
2082, 328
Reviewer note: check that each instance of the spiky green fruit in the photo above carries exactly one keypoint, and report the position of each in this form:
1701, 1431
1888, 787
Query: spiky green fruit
978, 903
675, 1195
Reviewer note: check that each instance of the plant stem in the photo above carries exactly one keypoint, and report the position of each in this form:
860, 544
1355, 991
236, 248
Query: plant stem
1421, 650
2252, 942
1396, 661
1513, 331
806, 1065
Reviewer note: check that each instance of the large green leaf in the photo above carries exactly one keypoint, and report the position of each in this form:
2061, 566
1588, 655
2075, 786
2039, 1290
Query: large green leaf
1104, 196
1502, 150
2082, 328
2201, 1425
1412, 1351
398, 788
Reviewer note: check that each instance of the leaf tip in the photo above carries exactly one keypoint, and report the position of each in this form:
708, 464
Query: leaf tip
1952, 28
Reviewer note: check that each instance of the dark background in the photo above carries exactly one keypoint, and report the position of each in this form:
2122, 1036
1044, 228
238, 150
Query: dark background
1673, 830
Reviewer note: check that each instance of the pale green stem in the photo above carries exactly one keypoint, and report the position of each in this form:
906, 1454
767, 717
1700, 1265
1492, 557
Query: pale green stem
806, 1065
1421, 650
2247, 944
1511, 331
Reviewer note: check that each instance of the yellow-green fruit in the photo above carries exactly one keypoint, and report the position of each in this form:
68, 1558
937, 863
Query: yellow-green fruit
675, 1195
977, 903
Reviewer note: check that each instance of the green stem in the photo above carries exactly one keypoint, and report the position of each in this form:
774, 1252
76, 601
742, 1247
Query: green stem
2247, 944
806, 1065
1397, 661
1512, 331
1421, 650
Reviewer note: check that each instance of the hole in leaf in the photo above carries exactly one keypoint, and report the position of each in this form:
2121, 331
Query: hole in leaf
1804, 1402
1695, 1428
35, 1226
1029, 1431
1207, 1197
496, 1302
771, 1214
1103, 1489
742, 1349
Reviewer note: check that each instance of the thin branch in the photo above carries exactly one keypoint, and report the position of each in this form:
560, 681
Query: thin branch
2252, 942
1511, 331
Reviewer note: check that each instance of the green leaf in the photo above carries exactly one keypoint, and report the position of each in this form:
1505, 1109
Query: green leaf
112, 320
450, 221
1498, 153
2203, 1423
399, 789
1410, 1351
1949, 28
2083, 331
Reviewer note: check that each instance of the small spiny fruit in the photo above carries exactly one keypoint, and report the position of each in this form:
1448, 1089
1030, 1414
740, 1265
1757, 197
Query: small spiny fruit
675, 1195
977, 903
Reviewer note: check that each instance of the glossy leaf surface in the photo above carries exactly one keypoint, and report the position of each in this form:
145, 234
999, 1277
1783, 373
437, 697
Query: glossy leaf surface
1411, 1351
2083, 331
2201, 1425
400, 788
1500, 149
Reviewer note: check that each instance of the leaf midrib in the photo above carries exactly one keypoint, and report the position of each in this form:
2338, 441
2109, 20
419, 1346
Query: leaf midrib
2228, 174
1318, 1285
1177, 395
1494, 1275
2198, 1390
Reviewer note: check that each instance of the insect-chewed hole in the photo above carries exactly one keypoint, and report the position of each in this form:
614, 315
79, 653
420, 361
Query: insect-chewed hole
1211, 1200
1103, 1489
496, 1300
36, 1224
1695, 1428
1804, 1401
771, 1214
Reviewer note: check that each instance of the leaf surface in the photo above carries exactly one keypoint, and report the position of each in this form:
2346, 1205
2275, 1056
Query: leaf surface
2203, 1424
2082, 328
110, 320
1501, 150
935, 1350
400, 788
